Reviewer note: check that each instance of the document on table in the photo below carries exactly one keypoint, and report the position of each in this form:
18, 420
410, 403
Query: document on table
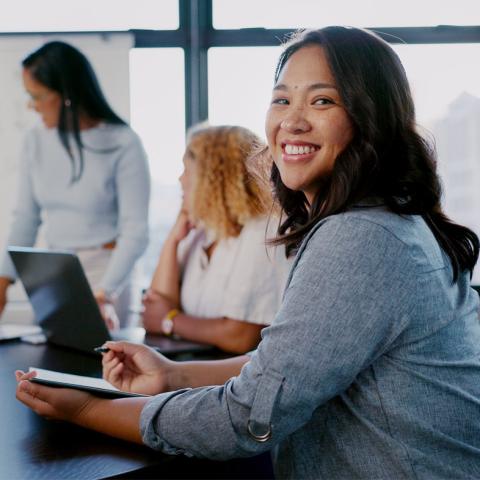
91, 384
11, 330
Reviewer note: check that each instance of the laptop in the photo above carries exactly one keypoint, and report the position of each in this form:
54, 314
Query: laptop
65, 307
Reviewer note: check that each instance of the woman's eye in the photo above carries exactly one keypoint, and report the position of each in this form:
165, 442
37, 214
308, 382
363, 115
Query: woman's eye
280, 101
323, 101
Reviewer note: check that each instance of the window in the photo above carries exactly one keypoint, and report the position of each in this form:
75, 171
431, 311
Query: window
367, 13
158, 116
239, 95
56, 15
446, 88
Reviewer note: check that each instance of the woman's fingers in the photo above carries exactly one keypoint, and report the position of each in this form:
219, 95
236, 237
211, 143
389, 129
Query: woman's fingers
115, 375
111, 361
107, 369
34, 396
54, 403
118, 347
21, 375
110, 358
116, 351
121, 360
35, 390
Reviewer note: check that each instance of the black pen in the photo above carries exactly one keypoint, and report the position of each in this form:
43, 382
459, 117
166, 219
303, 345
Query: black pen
101, 349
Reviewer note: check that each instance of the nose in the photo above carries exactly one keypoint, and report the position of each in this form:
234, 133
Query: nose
33, 105
183, 182
295, 122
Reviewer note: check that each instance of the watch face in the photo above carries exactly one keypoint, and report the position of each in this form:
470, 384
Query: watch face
167, 326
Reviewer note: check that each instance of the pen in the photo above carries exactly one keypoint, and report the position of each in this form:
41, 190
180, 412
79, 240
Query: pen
101, 349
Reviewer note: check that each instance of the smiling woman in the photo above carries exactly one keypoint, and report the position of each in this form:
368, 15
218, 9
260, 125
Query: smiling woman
307, 125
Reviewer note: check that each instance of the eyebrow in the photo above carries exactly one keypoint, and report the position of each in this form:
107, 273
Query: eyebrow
314, 86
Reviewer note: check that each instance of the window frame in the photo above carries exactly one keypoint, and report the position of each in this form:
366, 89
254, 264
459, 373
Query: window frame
196, 34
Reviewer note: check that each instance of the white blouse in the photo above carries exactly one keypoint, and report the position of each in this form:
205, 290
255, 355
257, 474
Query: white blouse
243, 280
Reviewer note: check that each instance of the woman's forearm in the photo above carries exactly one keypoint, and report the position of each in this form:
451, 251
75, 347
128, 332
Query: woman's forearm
166, 279
119, 418
230, 335
202, 373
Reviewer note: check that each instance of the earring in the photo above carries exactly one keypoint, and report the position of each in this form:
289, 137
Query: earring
67, 102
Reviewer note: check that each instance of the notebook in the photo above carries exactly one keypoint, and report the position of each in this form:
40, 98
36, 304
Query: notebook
80, 382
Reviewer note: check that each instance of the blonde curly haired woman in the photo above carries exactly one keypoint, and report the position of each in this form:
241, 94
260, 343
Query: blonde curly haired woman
216, 282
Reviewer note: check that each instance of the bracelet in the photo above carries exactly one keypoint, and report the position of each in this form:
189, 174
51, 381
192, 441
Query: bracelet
172, 313
167, 322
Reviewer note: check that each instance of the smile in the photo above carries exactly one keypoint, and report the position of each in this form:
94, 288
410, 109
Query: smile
294, 152
299, 149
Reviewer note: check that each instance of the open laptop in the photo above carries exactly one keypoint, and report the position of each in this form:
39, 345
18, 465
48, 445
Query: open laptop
65, 307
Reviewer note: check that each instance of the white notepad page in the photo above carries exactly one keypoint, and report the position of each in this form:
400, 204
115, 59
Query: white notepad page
81, 381
69, 380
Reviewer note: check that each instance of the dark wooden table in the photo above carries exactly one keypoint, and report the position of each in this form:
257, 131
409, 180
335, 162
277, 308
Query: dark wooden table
34, 448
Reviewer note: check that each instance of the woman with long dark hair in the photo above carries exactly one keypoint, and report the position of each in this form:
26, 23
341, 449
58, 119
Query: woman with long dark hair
371, 368
84, 173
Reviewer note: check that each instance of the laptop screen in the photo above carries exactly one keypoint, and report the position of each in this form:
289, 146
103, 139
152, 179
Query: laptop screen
61, 297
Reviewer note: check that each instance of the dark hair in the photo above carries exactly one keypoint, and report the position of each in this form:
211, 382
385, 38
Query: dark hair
386, 158
65, 70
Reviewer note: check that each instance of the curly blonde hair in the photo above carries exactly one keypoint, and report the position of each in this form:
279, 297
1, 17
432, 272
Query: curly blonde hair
226, 194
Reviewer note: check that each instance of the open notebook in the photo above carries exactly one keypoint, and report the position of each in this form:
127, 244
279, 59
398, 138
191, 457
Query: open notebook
67, 380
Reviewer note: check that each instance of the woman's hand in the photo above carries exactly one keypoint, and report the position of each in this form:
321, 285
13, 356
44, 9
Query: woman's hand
4, 284
137, 368
166, 278
156, 307
53, 403
181, 227
107, 310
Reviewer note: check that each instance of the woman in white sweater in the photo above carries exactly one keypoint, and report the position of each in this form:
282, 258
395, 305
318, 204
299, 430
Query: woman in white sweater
83, 173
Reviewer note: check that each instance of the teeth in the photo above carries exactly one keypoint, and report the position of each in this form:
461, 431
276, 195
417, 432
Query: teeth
298, 149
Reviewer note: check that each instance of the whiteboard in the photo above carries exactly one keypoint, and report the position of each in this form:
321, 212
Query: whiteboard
109, 55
